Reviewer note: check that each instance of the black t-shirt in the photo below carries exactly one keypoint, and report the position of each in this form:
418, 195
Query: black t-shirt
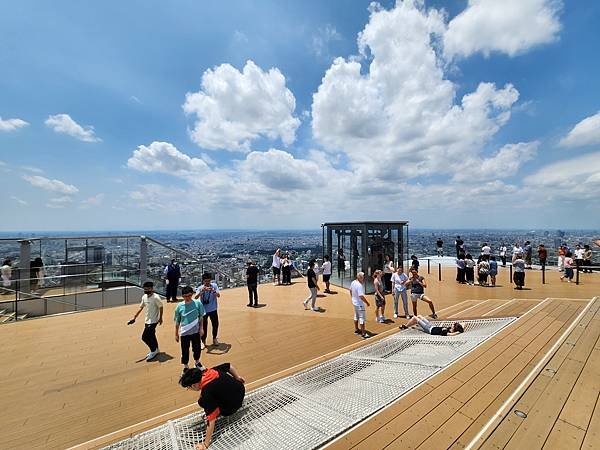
439, 243
225, 393
459, 243
310, 274
415, 263
440, 331
416, 288
252, 274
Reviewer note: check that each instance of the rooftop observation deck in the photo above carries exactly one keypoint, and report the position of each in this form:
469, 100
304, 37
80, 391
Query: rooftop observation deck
81, 378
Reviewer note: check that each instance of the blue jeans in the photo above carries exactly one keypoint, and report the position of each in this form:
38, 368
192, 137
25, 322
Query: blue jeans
404, 301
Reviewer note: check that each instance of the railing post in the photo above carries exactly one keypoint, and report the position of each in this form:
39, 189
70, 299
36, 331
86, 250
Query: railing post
102, 285
577, 276
24, 265
125, 285
143, 258
511, 275
439, 271
428, 267
543, 274
17, 287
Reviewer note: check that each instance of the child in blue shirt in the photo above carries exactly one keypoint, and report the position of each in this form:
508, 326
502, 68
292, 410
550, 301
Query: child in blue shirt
189, 327
208, 293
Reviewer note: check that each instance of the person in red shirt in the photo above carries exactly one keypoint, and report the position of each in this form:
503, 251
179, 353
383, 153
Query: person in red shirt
221, 390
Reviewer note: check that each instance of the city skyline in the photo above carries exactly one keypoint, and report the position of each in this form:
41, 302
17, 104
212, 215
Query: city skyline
269, 116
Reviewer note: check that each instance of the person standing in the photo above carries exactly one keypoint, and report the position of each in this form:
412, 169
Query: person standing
486, 250
359, 300
459, 244
252, 283
469, 270
6, 272
578, 256
460, 269
493, 270
388, 270
542, 255
417, 292
528, 250
519, 274
587, 258
286, 270
483, 270
172, 279
568, 274
154, 316
326, 268
276, 266
562, 251
341, 262
208, 293
517, 250
189, 327
503, 251
440, 247
379, 296
313, 287
36, 273
399, 280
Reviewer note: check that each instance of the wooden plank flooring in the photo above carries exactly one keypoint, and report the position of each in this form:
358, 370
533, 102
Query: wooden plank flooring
69, 379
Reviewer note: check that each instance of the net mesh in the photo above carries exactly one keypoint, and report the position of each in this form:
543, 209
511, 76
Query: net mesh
307, 409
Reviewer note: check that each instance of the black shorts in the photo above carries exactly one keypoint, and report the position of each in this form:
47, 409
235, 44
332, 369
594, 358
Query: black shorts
276, 270
326, 278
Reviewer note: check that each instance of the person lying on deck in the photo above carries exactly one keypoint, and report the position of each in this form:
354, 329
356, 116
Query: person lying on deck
427, 327
221, 393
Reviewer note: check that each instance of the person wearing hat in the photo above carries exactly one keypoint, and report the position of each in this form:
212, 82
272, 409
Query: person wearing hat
222, 393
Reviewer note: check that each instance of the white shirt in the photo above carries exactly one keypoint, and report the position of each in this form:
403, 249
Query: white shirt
276, 261
388, 267
579, 253
503, 250
356, 290
486, 250
153, 305
326, 267
398, 280
517, 250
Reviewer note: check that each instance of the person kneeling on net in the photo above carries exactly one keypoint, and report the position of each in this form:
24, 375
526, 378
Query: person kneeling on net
427, 327
221, 393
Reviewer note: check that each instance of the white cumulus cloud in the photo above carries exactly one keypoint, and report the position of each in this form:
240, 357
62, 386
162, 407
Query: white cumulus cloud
94, 200
64, 124
234, 108
399, 118
507, 26
586, 132
19, 200
12, 124
50, 185
164, 157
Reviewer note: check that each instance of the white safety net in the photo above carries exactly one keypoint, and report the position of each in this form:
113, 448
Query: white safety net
310, 408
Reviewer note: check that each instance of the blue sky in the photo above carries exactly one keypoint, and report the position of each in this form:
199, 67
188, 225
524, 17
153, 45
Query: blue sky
161, 115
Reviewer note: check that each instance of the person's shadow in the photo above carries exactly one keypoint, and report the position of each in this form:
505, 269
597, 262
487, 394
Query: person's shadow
160, 358
220, 349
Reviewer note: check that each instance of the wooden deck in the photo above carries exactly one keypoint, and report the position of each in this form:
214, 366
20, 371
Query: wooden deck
71, 379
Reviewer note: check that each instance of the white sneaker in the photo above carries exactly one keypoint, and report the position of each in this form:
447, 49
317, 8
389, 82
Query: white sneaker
151, 355
305, 303
200, 366
202, 345
395, 316
383, 319
315, 309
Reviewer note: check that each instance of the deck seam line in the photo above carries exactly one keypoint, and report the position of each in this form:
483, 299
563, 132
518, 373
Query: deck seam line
534, 371
499, 307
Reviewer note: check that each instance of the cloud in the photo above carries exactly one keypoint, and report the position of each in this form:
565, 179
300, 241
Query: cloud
12, 124
32, 169
63, 123
93, 201
234, 108
397, 118
59, 202
571, 178
506, 162
19, 201
586, 132
164, 157
508, 26
50, 185
322, 38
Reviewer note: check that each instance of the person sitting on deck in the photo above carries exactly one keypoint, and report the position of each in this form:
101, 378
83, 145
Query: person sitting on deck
222, 392
428, 327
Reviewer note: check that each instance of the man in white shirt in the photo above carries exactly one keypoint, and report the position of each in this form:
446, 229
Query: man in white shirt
359, 300
486, 249
326, 269
154, 316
